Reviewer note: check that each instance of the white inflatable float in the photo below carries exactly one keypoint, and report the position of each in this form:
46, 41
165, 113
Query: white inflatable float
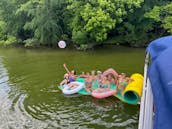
77, 86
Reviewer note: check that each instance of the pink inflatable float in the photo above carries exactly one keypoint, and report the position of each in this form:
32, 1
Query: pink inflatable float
102, 93
111, 71
62, 44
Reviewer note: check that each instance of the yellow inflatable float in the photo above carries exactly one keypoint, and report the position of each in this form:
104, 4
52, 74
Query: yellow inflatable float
133, 90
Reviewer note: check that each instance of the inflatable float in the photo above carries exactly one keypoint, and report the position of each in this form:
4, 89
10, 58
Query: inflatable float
132, 93
83, 91
97, 92
102, 93
133, 90
68, 91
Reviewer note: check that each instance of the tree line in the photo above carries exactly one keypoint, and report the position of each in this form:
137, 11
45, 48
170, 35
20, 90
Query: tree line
82, 22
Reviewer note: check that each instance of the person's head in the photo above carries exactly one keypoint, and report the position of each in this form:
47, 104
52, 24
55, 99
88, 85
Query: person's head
83, 72
99, 73
109, 77
119, 76
66, 76
88, 74
123, 75
105, 78
93, 72
73, 72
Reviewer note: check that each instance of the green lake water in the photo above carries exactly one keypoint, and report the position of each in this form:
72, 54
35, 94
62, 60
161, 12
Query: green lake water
30, 99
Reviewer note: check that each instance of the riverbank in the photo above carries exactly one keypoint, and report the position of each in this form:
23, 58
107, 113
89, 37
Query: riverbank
80, 47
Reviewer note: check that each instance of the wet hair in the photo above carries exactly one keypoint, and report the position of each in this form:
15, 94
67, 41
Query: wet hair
99, 72
74, 72
93, 71
88, 73
66, 76
123, 74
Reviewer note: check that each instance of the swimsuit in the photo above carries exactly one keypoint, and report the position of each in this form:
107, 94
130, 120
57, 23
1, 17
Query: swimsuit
101, 85
87, 83
71, 79
123, 83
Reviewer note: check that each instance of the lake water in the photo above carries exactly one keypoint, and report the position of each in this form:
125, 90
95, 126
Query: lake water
30, 99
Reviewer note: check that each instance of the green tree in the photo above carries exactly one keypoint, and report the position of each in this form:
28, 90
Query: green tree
95, 18
137, 30
163, 15
8, 23
43, 21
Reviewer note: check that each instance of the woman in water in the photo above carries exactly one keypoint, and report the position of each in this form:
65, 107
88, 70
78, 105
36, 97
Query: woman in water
83, 75
66, 79
88, 82
93, 75
123, 82
99, 76
104, 83
111, 79
72, 74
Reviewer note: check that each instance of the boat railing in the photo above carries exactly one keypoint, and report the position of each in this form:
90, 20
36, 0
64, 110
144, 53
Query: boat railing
146, 105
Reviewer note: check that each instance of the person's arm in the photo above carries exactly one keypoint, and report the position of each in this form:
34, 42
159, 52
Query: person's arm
67, 70
63, 82
129, 79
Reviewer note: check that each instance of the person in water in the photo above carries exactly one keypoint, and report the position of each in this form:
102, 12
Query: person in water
93, 75
83, 75
123, 82
99, 76
104, 83
72, 74
111, 79
109, 72
88, 82
66, 79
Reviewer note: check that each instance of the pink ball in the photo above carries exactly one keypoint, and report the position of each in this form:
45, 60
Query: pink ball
62, 44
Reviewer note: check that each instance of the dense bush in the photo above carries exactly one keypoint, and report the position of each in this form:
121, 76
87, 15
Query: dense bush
45, 22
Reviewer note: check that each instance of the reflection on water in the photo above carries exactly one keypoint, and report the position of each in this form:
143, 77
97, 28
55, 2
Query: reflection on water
12, 111
29, 97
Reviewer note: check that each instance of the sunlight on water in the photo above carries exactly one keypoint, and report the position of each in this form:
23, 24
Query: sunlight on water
12, 111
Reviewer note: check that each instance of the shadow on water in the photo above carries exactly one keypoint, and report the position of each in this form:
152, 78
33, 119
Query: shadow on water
29, 97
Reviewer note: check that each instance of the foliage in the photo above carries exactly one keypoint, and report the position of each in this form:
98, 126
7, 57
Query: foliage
80, 37
94, 18
45, 22
31, 42
43, 19
162, 14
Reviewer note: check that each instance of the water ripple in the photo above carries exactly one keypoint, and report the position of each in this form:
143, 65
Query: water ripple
20, 109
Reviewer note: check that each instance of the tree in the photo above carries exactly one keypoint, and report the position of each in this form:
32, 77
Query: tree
95, 18
163, 15
43, 21
8, 22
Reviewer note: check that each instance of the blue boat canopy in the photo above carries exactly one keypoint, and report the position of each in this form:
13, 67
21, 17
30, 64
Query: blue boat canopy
160, 75
159, 45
